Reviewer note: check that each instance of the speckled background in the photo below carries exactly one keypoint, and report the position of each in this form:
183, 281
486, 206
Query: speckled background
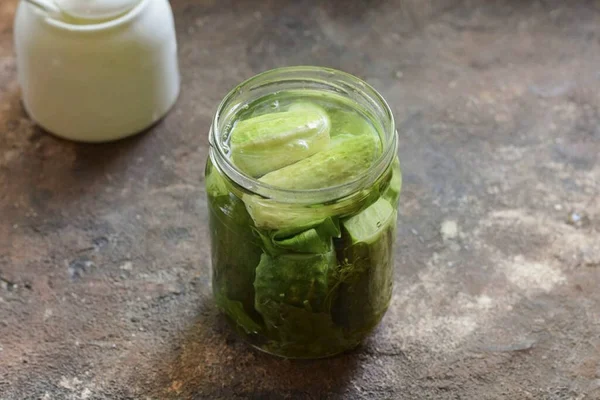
104, 260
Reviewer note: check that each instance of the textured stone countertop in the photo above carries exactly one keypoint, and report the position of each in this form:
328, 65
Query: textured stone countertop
104, 256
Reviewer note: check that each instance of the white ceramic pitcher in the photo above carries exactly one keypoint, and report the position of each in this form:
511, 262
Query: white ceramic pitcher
97, 81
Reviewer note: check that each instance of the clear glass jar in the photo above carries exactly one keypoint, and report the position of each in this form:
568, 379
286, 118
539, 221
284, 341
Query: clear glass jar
309, 303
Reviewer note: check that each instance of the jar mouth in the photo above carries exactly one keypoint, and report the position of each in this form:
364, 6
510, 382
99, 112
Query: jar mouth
303, 77
95, 26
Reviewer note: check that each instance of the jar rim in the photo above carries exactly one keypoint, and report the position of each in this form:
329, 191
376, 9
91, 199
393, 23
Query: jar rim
342, 82
96, 26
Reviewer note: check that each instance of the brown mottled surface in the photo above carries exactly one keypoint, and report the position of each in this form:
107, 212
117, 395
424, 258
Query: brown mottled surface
104, 263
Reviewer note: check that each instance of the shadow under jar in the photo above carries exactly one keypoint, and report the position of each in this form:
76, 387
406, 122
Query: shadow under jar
303, 182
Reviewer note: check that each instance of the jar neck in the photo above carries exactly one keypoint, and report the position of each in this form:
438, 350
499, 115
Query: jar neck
340, 83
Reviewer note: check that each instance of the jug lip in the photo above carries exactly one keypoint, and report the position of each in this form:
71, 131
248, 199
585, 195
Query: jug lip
95, 27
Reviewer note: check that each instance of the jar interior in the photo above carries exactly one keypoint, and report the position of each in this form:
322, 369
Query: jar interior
304, 81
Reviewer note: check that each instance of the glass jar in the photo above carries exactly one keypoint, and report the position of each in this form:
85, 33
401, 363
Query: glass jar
321, 299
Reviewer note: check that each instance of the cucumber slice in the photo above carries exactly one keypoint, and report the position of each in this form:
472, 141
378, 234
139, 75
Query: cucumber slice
268, 214
272, 141
366, 226
393, 191
344, 160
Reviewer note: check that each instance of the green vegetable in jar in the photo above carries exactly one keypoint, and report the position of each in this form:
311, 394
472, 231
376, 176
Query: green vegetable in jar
295, 279
365, 292
342, 162
271, 141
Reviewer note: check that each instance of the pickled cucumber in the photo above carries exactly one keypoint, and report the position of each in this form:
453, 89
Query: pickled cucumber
271, 141
344, 161
365, 292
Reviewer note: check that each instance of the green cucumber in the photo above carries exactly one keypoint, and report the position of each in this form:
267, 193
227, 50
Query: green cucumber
365, 292
272, 141
346, 159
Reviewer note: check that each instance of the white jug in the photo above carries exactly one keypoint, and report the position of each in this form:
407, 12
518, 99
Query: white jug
97, 81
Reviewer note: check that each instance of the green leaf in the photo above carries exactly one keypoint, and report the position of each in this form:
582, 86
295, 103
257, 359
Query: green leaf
314, 238
236, 312
291, 293
309, 241
295, 279
272, 141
